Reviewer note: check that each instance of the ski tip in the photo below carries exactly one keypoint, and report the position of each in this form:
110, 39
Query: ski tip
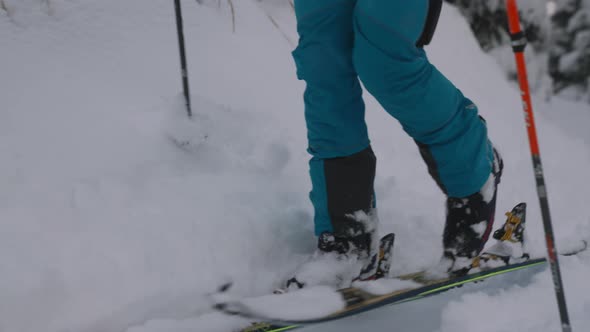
584, 245
222, 300
225, 287
574, 251
226, 309
220, 306
221, 294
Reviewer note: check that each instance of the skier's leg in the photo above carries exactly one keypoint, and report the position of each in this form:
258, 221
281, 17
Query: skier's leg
451, 136
343, 165
430, 108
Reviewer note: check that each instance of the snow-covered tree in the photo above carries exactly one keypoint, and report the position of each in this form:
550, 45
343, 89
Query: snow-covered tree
563, 38
569, 58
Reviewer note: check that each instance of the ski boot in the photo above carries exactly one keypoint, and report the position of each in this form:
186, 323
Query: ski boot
469, 223
340, 260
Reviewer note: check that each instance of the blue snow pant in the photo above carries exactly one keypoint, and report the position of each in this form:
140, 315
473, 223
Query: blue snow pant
375, 40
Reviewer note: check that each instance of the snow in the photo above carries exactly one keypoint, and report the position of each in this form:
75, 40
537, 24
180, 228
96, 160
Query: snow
106, 225
568, 63
480, 228
425, 315
522, 308
309, 303
551, 8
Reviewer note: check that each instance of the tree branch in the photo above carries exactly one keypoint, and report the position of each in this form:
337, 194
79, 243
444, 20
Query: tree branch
280, 30
233, 15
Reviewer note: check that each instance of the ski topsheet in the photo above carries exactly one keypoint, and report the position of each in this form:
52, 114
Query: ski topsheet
286, 312
322, 304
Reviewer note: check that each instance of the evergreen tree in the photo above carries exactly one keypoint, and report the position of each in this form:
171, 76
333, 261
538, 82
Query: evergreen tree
565, 37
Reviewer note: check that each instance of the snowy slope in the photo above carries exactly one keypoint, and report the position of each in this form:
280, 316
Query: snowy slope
107, 226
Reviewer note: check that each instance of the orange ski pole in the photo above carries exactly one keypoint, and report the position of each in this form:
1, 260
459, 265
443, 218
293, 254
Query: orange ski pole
518, 45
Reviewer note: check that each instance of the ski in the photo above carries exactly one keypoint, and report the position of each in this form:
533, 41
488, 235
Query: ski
506, 256
359, 301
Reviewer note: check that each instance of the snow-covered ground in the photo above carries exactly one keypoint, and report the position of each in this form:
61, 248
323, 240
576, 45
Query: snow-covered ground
105, 225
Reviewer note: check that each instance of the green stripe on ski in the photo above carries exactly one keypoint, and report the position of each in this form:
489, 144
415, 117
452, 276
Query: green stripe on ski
476, 277
462, 282
285, 328
264, 327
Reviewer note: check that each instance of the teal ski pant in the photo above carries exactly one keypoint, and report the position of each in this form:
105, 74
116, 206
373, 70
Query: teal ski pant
375, 40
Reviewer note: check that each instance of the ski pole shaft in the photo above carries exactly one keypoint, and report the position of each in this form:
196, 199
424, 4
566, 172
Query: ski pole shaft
183, 65
518, 45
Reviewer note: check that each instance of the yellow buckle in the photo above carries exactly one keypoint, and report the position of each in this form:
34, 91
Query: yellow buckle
511, 224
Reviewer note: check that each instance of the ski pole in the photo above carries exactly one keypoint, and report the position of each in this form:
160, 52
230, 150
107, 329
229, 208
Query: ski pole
183, 66
518, 45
